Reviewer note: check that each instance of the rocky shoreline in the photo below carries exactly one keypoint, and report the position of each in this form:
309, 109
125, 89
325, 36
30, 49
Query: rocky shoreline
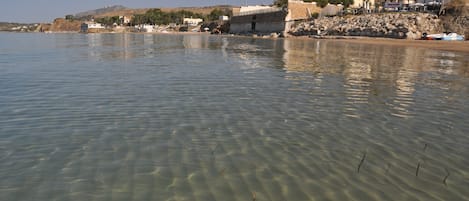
388, 25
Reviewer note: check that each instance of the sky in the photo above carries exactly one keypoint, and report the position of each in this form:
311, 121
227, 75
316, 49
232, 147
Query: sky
37, 11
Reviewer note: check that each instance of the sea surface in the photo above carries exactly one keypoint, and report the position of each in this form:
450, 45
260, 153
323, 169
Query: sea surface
125, 117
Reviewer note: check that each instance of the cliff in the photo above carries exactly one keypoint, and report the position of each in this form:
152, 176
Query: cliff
63, 25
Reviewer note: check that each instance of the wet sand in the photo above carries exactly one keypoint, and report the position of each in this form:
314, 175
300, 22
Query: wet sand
459, 46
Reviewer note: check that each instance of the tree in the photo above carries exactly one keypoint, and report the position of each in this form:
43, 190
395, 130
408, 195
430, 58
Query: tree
215, 14
281, 3
322, 3
69, 17
109, 21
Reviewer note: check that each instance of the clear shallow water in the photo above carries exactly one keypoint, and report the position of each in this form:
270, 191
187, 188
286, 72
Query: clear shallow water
189, 117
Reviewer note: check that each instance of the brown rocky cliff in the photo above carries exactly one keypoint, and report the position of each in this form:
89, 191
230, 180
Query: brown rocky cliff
63, 25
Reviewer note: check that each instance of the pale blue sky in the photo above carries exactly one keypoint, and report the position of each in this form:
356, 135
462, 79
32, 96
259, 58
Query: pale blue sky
27, 11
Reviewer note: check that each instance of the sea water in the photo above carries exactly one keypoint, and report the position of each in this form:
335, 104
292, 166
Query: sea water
203, 118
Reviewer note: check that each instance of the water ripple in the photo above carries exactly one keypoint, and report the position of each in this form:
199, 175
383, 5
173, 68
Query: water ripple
198, 117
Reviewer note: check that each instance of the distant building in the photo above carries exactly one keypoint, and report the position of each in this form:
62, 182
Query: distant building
223, 18
145, 27
366, 5
88, 27
192, 21
332, 10
126, 19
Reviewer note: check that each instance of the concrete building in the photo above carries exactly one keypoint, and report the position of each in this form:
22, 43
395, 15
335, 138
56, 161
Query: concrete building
332, 10
125, 19
148, 28
268, 19
223, 18
367, 5
192, 21
91, 27
260, 20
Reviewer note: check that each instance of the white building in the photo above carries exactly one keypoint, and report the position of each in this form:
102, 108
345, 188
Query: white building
256, 8
366, 5
192, 21
223, 18
145, 27
125, 19
85, 27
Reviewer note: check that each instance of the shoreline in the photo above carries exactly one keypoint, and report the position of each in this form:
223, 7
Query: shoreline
457, 46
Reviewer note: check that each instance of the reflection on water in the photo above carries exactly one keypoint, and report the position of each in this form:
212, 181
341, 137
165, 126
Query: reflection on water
199, 117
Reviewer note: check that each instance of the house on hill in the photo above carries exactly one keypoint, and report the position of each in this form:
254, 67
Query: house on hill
192, 21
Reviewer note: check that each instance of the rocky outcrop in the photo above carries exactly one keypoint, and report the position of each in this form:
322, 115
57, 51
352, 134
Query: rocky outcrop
388, 25
455, 18
63, 25
19, 27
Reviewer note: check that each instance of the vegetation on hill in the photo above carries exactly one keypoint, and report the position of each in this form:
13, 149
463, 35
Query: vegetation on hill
158, 16
321, 3
100, 11
60, 25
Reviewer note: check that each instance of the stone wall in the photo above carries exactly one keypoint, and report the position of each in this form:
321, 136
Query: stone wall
388, 25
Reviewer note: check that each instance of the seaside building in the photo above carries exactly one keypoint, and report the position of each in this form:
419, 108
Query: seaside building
367, 6
91, 27
192, 21
413, 5
268, 19
223, 18
258, 19
145, 27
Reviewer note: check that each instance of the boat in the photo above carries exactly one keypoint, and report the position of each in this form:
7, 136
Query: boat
443, 36
453, 36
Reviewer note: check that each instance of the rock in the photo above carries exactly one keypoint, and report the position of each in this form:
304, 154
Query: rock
411, 35
390, 25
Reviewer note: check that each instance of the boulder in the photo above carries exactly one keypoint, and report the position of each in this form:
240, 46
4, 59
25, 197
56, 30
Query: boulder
390, 25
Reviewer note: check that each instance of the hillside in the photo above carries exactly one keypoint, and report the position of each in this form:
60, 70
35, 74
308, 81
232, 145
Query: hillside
62, 25
121, 11
101, 11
